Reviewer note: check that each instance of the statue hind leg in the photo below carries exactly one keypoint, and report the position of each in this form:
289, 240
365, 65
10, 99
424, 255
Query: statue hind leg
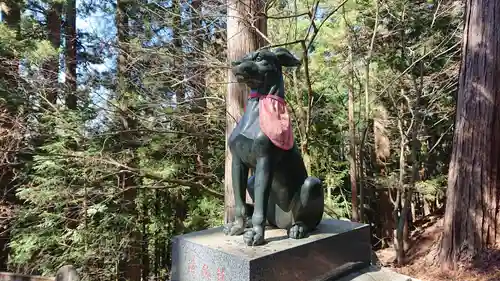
309, 208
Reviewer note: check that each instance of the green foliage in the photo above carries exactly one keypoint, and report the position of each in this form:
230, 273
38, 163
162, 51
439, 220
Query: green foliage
42, 51
415, 51
432, 189
8, 39
205, 214
73, 213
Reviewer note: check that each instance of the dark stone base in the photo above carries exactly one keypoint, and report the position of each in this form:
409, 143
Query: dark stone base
335, 248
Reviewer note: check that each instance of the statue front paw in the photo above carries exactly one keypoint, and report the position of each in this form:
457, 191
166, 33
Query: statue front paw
297, 231
234, 228
254, 236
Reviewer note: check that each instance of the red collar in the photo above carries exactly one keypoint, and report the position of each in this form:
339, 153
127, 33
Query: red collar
255, 95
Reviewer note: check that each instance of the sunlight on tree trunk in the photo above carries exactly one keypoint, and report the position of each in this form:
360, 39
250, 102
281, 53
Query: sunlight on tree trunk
241, 39
470, 222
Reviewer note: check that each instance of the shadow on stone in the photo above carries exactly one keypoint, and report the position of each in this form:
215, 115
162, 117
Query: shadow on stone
276, 238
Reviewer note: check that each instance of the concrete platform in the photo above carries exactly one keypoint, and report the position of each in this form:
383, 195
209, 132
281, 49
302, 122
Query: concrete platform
373, 273
335, 247
8, 276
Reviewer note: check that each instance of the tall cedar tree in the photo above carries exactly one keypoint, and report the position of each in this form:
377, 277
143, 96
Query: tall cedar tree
241, 39
51, 67
470, 222
129, 266
71, 63
9, 64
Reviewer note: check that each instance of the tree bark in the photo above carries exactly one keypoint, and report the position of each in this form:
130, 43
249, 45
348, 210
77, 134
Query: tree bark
352, 143
241, 39
197, 85
177, 51
71, 63
54, 36
9, 70
399, 207
470, 222
130, 265
386, 219
9, 64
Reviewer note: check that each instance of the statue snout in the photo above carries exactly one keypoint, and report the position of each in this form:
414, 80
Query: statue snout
246, 68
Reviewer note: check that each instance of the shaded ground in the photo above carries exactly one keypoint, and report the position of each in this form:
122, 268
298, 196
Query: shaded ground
423, 251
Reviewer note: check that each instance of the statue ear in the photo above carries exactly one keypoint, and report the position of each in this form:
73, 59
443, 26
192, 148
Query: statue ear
285, 58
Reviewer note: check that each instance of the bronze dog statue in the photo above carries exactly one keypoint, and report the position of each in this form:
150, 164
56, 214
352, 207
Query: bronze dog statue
281, 190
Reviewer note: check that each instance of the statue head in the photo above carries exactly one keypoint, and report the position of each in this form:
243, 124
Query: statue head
262, 70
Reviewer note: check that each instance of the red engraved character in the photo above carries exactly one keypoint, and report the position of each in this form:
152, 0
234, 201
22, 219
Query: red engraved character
205, 271
192, 265
220, 274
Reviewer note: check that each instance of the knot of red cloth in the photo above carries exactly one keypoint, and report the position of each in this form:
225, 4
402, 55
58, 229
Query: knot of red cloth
275, 122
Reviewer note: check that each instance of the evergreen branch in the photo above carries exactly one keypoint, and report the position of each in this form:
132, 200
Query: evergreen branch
156, 176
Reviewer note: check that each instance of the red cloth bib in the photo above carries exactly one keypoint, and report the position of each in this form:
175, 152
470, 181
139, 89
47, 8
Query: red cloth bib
275, 121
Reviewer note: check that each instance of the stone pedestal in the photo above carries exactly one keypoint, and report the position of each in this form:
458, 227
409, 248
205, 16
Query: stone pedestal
331, 250
374, 273
8, 276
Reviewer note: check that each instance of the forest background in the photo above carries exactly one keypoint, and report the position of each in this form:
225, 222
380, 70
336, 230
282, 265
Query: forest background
114, 117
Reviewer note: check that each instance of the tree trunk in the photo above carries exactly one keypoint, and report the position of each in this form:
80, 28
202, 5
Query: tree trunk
177, 51
241, 39
71, 63
9, 64
386, 219
399, 207
54, 36
9, 69
427, 208
470, 222
352, 143
145, 258
197, 85
130, 266
415, 159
